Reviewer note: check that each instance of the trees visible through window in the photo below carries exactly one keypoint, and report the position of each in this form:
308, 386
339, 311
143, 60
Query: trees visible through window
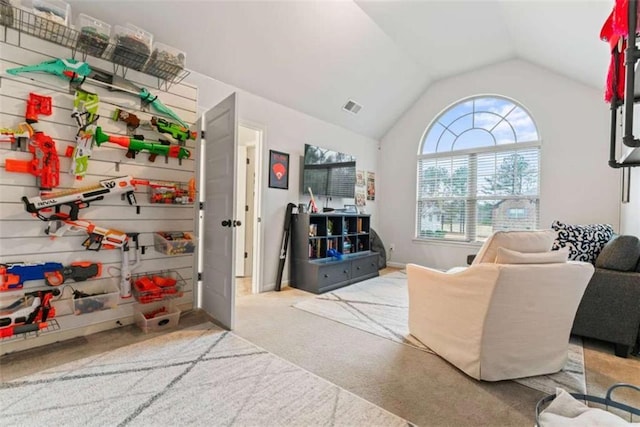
478, 171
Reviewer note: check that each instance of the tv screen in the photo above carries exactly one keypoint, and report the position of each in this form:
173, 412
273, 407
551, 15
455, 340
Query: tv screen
328, 172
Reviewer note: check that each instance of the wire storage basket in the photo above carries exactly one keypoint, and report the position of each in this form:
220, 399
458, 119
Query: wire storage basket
620, 409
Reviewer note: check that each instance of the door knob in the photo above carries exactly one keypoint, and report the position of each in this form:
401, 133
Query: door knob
226, 223
237, 223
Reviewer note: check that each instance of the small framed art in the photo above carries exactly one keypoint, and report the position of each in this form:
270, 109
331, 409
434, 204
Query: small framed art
278, 170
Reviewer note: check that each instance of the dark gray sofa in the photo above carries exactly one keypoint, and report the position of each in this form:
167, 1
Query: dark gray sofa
610, 307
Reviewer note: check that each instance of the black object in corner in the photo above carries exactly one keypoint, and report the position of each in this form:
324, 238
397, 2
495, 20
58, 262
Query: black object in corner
284, 245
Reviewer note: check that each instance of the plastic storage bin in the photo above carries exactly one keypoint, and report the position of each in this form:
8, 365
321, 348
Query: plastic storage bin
156, 316
93, 35
7, 15
57, 11
157, 286
95, 297
174, 242
50, 21
171, 193
165, 62
132, 46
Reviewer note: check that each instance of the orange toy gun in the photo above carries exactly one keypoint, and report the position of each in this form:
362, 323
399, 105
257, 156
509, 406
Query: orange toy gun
36, 105
45, 165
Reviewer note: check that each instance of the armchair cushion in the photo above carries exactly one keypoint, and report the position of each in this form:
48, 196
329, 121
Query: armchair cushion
620, 254
584, 241
522, 241
507, 256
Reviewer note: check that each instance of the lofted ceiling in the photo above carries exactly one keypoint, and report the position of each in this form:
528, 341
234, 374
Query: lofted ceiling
313, 56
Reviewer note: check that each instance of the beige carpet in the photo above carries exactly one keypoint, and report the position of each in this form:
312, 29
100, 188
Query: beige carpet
380, 306
196, 376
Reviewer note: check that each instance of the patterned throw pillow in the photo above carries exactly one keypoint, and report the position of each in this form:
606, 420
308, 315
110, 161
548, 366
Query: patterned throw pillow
584, 241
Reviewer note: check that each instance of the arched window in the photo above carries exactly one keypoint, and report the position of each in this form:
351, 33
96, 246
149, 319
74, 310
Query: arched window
478, 171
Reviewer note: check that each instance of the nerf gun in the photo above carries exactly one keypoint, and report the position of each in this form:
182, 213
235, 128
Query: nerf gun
85, 111
80, 198
172, 132
104, 238
13, 275
36, 105
27, 314
75, 70
19, 138
98, 237
45, 165
134, 145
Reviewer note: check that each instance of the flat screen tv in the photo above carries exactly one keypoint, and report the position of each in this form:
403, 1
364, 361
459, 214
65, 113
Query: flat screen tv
328, 172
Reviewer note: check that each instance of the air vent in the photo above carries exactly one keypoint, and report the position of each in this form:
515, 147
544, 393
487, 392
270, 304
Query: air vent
352, 107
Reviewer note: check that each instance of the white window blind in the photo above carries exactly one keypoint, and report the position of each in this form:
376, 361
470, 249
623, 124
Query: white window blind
488, 183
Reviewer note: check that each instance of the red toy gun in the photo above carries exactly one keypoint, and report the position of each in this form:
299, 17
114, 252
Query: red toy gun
45, 165
36, 105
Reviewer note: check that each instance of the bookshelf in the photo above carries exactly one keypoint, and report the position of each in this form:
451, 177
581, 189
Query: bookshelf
313, 236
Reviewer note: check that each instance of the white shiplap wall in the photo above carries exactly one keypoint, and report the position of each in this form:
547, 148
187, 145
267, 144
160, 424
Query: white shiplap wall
22, 237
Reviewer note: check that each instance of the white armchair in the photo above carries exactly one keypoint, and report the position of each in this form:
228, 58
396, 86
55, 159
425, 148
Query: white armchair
498, 321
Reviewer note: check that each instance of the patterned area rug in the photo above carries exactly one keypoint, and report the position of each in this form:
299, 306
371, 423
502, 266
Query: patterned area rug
380, 306
196, 376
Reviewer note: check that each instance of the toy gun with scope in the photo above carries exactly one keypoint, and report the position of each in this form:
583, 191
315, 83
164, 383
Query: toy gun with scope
172, 132
14, 274
135, 145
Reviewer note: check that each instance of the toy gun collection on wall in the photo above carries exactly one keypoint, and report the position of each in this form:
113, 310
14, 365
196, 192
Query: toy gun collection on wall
59, 222
60, 210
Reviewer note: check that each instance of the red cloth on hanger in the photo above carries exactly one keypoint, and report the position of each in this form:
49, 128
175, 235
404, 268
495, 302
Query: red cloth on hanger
615, 31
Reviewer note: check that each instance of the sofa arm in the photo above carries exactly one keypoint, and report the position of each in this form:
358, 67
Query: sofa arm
447, 311
610, 307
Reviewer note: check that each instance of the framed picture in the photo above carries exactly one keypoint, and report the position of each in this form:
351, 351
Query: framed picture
278, 170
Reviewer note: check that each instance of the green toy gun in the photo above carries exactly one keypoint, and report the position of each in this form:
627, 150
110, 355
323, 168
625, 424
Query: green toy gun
85, 111
78, 70
134, 145
173, 132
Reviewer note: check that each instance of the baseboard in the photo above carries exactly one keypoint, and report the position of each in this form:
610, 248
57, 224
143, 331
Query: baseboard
396, 264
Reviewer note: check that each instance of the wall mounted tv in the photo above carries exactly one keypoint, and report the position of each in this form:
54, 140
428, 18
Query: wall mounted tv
328, 172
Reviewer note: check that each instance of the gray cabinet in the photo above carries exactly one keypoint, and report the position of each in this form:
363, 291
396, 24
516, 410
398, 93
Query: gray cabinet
314, 236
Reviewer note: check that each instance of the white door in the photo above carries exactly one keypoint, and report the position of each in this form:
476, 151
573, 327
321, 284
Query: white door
218, 218
241, 203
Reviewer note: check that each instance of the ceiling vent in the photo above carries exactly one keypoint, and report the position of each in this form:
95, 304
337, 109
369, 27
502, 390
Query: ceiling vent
352, 107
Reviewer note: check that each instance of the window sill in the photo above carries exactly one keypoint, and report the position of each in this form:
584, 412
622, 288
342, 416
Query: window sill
451, 243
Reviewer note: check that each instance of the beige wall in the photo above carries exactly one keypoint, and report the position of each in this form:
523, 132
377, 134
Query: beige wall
577, 186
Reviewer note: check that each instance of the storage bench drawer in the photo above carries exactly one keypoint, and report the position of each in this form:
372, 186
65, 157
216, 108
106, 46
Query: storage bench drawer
364, 266
333, 273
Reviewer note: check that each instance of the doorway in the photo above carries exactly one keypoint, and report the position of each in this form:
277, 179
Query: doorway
247, 202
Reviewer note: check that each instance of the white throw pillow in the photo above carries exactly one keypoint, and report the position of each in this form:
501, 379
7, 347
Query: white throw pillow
521, 241
507, 256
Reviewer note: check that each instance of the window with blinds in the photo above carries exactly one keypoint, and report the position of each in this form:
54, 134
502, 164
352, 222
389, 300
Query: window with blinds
478, 171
